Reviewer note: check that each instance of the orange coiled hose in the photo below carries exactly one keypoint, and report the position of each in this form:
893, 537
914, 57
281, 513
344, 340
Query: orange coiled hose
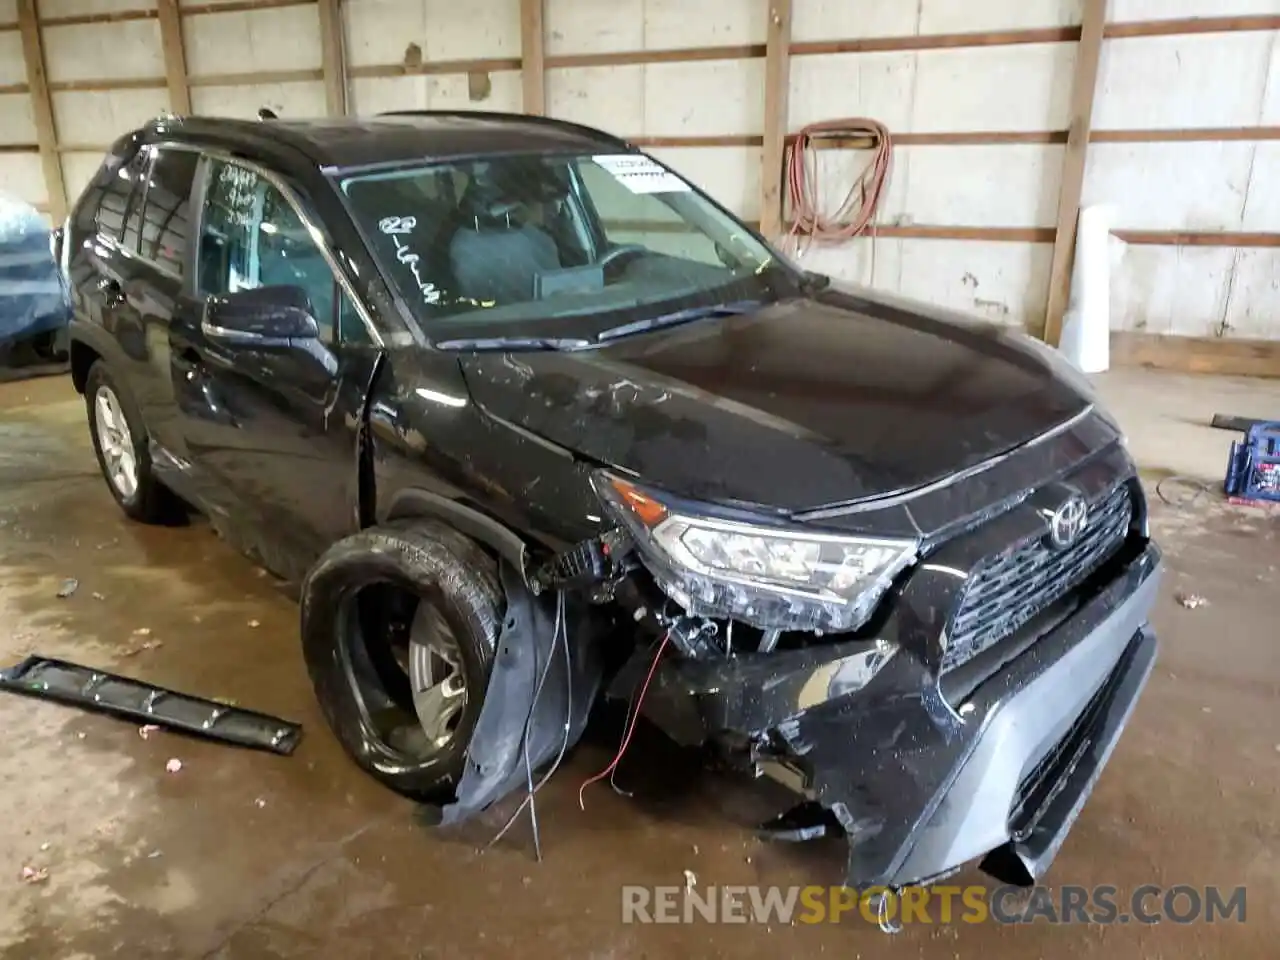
857, 212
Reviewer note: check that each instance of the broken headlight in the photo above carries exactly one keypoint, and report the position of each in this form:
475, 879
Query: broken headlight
783, 578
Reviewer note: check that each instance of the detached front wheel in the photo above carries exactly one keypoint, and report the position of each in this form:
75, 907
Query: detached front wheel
399, 627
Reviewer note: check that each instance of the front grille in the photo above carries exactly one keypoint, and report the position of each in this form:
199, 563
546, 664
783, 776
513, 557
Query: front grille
1006, 591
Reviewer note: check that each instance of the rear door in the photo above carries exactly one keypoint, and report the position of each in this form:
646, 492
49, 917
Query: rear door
273, 428
162, 286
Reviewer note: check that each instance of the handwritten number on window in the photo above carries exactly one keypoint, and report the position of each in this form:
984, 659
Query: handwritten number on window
396, 228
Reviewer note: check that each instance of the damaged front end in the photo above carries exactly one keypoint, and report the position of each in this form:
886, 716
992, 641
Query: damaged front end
937, 698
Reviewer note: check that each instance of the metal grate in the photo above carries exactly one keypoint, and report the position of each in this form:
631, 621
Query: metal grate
1008, 590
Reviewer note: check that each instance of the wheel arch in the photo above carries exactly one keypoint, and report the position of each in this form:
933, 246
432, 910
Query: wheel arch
416, 502
83, 357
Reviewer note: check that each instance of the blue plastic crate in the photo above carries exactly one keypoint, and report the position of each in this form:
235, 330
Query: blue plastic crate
1253, 472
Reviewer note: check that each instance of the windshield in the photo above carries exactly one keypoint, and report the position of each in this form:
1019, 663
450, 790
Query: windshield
542, 246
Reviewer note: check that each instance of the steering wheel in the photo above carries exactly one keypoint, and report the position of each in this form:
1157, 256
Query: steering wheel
618, 252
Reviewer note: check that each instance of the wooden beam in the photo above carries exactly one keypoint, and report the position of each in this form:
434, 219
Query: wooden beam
175, 57
114, 83
631, 58
777, 99
533, 55
1188, 135
1199, 238
1188, 26
435, 67
924, 231
239, 6
332, 58
711, 140
110, 16
937, 41
255, 76
42, 108
1222, 356
1083, 90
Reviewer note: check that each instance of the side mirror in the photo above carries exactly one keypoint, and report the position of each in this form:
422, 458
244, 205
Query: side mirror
262, 316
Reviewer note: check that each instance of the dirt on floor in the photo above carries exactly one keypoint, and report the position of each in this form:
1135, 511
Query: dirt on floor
247, 854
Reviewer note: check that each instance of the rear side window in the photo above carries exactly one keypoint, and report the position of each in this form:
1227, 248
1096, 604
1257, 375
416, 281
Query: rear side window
118, 200
166, 218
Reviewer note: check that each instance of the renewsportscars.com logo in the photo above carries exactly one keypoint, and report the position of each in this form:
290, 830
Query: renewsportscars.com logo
1148, 904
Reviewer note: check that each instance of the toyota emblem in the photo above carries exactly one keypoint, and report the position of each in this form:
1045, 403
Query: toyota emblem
1068, 521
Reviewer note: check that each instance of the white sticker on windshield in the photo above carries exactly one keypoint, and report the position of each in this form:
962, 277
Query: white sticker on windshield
639, 174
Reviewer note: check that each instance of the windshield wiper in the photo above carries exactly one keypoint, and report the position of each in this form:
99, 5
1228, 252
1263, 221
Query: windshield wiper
514, 343
681, 316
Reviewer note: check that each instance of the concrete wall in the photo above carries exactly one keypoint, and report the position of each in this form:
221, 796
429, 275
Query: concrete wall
980, 215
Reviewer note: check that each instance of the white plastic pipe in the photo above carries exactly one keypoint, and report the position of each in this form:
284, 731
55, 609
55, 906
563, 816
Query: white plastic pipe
1086, 328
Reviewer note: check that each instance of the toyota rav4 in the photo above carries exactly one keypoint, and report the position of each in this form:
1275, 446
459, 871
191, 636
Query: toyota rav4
531, 420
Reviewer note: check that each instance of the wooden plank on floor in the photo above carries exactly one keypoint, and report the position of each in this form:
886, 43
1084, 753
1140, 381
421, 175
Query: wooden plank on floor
1224, 356
1083, 89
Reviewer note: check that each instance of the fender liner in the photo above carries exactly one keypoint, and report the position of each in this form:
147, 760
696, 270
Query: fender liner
416, 502
555, 716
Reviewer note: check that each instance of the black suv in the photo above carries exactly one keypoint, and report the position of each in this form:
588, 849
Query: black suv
532, 421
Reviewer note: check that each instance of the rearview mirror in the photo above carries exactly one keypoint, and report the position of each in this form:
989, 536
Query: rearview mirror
261, 316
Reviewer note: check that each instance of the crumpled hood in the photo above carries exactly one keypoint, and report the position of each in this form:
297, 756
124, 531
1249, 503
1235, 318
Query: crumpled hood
802, 404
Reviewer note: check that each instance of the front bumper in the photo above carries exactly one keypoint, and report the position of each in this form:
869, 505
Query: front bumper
923, 782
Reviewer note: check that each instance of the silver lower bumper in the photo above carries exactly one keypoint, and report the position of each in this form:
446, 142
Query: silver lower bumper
1104, 672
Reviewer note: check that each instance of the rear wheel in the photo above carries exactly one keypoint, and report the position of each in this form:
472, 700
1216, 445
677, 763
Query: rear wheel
399, 627
120, 443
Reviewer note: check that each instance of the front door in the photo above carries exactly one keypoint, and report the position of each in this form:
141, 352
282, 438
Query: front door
270, 430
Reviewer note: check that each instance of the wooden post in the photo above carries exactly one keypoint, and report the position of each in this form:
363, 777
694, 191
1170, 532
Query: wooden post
1083, 89
175, 57
332, 58
777, 97
533, 56
42, 109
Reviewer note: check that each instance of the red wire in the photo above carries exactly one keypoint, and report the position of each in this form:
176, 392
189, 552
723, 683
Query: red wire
631, 727
859, 207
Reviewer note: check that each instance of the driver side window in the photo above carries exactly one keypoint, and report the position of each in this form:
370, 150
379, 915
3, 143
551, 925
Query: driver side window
251, 236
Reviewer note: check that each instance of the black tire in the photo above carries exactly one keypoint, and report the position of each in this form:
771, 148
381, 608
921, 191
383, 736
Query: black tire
437, 565
151, 501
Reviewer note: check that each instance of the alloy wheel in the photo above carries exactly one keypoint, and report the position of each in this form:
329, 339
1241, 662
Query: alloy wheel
436, 676
116, 442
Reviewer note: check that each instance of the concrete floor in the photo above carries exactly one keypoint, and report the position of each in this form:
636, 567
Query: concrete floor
243, 854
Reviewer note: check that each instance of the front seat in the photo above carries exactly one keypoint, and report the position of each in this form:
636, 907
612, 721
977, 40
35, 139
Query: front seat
494, 260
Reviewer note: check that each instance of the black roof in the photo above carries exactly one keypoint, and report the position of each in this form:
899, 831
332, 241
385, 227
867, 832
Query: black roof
388, 138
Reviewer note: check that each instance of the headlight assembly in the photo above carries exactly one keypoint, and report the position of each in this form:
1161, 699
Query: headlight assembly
786, 578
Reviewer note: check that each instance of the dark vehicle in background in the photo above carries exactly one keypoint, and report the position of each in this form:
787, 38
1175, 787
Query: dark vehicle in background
532, 421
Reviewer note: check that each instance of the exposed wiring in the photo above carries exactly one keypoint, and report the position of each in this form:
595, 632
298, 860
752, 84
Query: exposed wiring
560, 632
613, 777
528, 772
856, 213
631, 727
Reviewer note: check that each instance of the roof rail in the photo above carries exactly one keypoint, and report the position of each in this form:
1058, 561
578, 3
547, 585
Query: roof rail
566, 125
